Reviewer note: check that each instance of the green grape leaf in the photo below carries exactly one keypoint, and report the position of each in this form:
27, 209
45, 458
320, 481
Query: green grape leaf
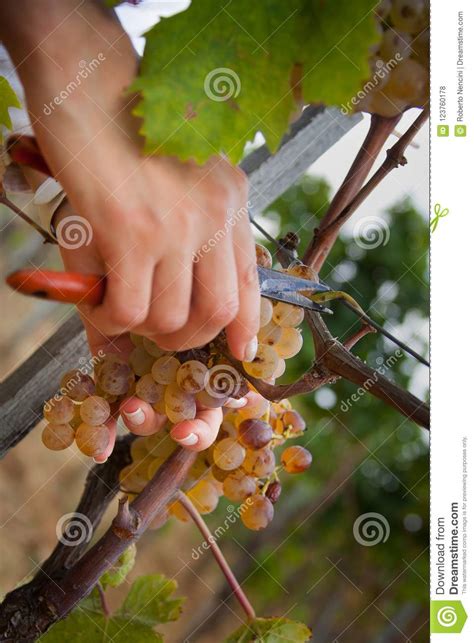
217, 73
270, 630
149, 601
118, 573
8, 99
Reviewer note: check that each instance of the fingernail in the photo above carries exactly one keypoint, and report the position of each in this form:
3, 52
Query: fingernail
99, 461
251, 350
236, 404
188, 441
136, 418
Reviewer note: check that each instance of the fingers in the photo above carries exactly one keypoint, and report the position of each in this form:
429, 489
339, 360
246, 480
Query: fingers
200, 433
171, 295
140, 418
214, 300
111, 424
242, 331
127, 296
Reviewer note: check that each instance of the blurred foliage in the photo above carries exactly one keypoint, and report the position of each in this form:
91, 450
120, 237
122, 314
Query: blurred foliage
367, 458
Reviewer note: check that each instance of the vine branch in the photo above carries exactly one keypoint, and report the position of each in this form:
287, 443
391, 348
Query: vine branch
30, 610
48, 238
379, 131
326, 234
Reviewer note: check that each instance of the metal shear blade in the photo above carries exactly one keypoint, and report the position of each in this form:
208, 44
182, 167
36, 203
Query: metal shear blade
286, 288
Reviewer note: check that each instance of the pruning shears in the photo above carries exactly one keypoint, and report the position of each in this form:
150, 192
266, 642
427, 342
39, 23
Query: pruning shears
78, 288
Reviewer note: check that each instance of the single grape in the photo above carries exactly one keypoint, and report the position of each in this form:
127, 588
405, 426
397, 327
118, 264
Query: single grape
152, 348
77, 385
264, 258
141, 361
148, 390
179, 416
59, 410
256, 406
228, 454
293, 422
296, 459
254, 434
290, 343
395, 45
266, 311
264, 364
95, 410
92, 440
303, 272
280, 368
137, 340
179, 403
57, 436
133, 477
408, 81
259, 463
138, 449
164, 369
115, 375
409, 15
210, 401
204, 496
160, 444
273, 491
286, 315
269, 334
382, 104
238, 486
228, 430
257, 512
191, 376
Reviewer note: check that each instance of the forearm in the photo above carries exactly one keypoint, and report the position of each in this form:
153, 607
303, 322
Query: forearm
50, 41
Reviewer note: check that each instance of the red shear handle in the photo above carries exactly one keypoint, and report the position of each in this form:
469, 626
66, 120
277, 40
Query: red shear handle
66, 287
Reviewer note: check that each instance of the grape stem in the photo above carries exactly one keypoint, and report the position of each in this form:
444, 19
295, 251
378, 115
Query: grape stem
379, 131
218, 555
325, 236
48, 238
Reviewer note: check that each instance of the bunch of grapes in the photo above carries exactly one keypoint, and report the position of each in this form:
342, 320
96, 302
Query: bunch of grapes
241, 464
401, 62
